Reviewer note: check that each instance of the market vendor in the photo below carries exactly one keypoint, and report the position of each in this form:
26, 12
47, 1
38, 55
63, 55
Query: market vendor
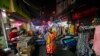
13, 38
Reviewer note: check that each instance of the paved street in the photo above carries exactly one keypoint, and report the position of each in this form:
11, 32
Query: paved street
42, 51
59, 52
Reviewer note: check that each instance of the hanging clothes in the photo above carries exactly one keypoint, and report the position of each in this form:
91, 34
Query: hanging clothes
50, 43
72, 29
96, 44
83, 48
81, 45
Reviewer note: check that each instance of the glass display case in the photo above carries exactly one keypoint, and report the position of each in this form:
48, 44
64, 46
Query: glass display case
3, 31
2, 39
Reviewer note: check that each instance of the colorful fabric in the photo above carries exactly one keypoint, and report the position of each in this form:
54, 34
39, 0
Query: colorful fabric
72, 29
48, 40
50, 48
50, 43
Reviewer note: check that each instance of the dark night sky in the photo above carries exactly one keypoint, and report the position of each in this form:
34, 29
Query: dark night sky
44, 4
48, 6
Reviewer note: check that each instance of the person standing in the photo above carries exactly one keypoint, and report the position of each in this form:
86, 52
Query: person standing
50, 43
96, 40
13, 38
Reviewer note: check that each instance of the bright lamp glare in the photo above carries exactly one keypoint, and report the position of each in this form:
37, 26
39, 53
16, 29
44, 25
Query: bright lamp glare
3, 10
4, 14
37, 27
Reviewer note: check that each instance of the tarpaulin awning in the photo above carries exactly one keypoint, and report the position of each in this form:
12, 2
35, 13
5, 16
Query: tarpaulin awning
84, 13
17, 16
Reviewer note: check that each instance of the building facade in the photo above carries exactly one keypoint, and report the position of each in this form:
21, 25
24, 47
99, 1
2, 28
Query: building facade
62, 5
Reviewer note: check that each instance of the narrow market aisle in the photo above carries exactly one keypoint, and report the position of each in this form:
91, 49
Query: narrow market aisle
64, 53
42, 51
59, 52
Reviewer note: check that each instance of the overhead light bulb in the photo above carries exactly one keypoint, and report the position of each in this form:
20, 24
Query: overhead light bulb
3, 10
